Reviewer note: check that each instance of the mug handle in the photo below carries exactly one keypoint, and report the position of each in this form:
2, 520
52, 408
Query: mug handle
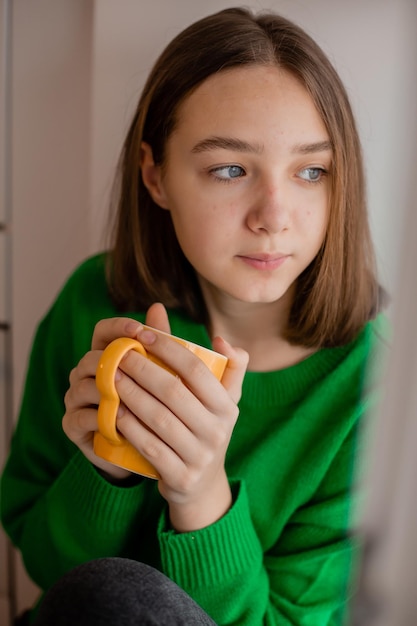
109, 398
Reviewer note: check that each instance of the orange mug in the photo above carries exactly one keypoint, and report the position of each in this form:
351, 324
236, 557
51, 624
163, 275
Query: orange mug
109, 444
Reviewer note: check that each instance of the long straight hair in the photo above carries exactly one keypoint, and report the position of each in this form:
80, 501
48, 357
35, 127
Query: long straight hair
338, 292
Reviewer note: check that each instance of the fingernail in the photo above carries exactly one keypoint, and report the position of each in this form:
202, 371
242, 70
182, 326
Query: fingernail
147, 337
133, 328
118, 375
120, 411
224, 342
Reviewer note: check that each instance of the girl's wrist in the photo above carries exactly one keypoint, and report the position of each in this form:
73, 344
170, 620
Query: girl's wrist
198, 514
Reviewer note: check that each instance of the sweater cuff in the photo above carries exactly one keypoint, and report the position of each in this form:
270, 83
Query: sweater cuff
220, 552
104, 507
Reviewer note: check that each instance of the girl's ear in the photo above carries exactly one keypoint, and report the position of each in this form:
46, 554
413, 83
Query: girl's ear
152, 176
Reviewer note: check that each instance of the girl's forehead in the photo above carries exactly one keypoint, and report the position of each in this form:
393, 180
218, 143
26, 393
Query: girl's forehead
261, 98
254, 84
247, 78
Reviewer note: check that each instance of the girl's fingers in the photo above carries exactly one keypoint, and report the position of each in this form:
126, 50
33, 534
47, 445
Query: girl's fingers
237, 364
107, 330
197, 385
176, 422
154, 430
157, 317
182, 410
193, 391
83, 391
158, 399
112, 328
86, 367
167, 461
79, 426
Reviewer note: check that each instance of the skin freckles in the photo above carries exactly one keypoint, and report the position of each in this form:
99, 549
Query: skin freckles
242, 161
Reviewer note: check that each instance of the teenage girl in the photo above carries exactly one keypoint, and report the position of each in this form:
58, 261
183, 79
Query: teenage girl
242, 226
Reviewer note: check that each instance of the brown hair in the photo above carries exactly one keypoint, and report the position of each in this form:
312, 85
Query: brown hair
338, 292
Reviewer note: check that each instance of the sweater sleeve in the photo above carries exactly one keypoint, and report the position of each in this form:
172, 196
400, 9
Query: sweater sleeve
220, 566
78, 518
56, 508
301, 581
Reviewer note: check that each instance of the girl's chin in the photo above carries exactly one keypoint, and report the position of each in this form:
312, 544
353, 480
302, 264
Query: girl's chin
246, 293
254, 298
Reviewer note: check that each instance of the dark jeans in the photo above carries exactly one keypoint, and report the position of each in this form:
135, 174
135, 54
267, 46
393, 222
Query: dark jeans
118, 592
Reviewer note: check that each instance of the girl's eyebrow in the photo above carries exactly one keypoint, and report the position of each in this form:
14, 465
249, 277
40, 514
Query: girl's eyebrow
308, 148
239, 145
226, 143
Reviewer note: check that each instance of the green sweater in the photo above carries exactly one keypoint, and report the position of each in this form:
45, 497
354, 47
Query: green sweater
281, 555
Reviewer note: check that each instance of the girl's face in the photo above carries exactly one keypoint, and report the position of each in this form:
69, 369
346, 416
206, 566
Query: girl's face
247, 180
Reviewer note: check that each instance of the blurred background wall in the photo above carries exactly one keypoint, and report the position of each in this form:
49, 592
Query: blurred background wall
70, 75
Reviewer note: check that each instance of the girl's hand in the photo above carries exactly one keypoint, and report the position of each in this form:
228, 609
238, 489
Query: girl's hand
182, 424
81, 400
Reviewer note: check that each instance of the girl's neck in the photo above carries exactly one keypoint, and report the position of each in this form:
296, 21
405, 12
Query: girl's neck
258, 329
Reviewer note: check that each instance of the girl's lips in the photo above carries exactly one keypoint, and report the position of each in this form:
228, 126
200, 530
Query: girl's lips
264, 262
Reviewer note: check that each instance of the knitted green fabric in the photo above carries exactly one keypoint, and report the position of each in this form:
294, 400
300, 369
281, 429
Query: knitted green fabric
281, 555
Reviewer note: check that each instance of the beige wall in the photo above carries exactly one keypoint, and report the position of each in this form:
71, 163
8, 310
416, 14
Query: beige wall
77, 68
49, 161
5, 552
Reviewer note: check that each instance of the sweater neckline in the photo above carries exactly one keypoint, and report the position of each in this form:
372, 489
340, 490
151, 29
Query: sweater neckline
277, 387
285, 386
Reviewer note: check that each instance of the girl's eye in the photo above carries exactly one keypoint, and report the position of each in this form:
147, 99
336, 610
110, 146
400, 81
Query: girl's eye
312, 174
227, 172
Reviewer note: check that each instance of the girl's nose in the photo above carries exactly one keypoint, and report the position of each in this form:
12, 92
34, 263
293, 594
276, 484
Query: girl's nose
269, 211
